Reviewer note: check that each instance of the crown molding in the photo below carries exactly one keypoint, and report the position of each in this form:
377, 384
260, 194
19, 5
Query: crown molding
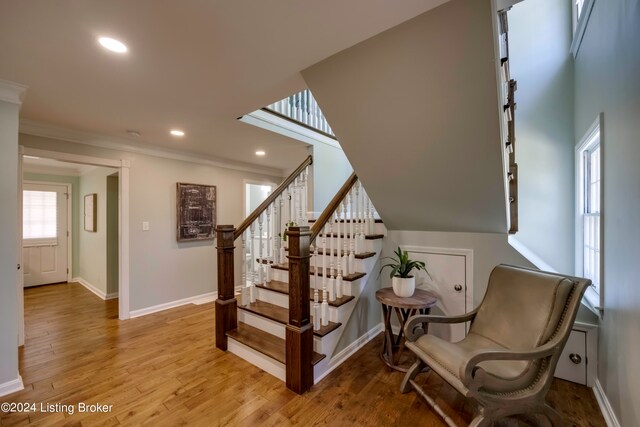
11, 92
30, 127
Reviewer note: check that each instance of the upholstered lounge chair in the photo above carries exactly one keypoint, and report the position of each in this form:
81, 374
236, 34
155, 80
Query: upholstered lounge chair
507, 360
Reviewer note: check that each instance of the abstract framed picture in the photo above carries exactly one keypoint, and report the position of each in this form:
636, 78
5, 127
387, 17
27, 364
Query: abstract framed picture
90, 212
196, 214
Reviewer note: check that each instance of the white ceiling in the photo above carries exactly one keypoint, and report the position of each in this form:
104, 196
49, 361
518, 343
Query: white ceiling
192, 64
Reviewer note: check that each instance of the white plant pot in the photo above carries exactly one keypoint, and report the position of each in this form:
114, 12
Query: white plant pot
404, 286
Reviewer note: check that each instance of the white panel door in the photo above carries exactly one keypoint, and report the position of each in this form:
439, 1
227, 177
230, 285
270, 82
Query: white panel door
45, 234
448, 283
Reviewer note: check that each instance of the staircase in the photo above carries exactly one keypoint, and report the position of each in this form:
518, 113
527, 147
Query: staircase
295, 297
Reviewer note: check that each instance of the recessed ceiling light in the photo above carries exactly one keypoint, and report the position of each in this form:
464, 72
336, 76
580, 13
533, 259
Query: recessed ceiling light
260, 153
133, 133
112, 44
176, 132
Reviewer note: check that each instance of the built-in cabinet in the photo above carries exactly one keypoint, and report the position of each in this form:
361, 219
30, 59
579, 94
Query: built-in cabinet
578, 362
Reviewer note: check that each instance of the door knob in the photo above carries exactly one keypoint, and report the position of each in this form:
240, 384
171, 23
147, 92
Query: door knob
457, 287
575, 358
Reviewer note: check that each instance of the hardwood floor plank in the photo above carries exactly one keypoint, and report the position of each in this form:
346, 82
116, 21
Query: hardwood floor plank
163, 369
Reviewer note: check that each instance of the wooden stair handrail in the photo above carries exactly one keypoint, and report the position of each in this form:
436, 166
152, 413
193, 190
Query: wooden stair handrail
272, 197
332, 206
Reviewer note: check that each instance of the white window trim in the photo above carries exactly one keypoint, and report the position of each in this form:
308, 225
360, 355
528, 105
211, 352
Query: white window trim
593, 300
581, 25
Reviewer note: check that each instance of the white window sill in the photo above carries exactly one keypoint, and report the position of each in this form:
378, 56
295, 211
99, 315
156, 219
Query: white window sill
591, 300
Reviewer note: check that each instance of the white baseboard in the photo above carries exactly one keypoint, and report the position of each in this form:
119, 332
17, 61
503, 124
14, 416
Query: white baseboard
104, 296
197, 299
351, 349
11, 386
605, 406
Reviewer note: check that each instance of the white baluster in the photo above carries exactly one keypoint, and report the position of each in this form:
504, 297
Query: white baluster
331, 273
345, 241
325, 279
352, 240
361, 239
277, 229
356, 240
260, 252
252, 246
339, 257
269, 256
372, 220
244, 291
316, 306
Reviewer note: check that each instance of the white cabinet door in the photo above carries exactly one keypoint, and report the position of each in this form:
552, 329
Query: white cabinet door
45, 234
572, 365
448, 283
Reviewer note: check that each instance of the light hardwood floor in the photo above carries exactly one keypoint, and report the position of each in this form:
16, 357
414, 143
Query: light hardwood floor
163, 369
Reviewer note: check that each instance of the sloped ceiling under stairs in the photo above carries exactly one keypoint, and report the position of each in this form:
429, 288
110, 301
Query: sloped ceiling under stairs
416, 111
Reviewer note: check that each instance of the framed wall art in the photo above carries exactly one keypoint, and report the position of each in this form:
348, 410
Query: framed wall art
196, 211
90, 212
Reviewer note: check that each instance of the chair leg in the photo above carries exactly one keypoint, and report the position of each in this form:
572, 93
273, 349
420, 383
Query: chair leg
552, 415
415, 369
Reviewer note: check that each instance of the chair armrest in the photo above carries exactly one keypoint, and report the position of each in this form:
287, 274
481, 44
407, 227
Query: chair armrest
412, 333
470, 372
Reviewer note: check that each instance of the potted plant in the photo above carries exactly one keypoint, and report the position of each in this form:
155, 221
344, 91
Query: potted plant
404, 284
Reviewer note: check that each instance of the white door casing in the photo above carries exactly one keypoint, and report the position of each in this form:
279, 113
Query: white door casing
451, 281
47, 260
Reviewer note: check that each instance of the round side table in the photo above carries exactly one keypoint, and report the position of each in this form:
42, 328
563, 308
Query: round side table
393, 347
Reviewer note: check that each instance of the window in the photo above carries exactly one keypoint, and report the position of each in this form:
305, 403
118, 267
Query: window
589, 232
581, 12
40, 215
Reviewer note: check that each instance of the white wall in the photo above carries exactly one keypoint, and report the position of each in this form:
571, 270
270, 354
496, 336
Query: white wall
93, 245
416, 111
8, 242
163, 270
540, 60
331, 168
607, 79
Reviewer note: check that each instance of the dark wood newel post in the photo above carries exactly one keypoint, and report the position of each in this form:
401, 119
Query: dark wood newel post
226, 305
299, 333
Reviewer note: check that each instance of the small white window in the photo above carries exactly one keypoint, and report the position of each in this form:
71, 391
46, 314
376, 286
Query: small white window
40, 215
589, 233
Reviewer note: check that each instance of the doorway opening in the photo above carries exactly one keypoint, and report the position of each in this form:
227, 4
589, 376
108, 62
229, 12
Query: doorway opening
96, 230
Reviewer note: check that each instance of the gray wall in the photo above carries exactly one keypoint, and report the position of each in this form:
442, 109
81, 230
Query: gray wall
93, 245
330, 170
416, 111
9, 241
163, 270
539, 40
112, 233
607, 79
75, 208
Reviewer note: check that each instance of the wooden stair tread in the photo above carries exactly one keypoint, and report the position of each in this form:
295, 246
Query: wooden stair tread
281, 315
265, 343
348, 236
283, 288
362, 255
348, 278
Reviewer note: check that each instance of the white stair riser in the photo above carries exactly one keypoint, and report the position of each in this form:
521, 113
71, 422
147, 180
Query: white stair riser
279, 330
258, 359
